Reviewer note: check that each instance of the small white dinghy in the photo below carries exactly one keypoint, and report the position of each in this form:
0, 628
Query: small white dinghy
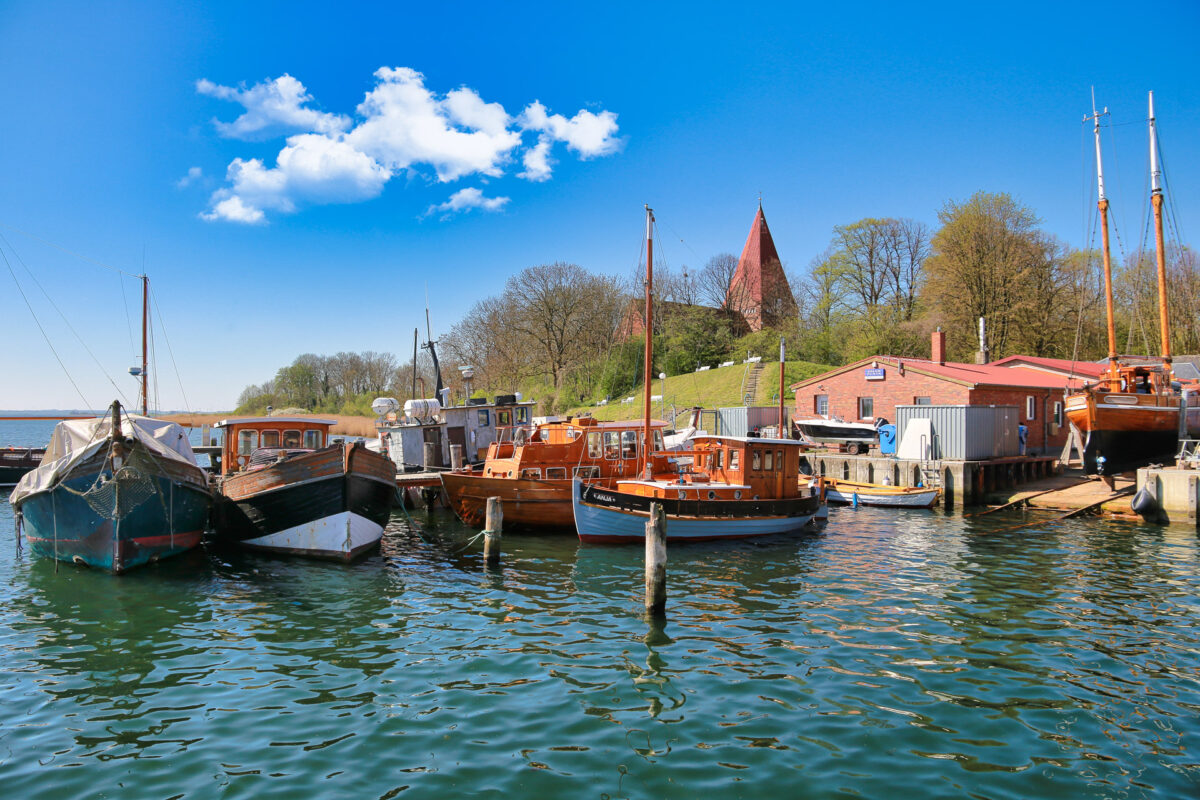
876, 494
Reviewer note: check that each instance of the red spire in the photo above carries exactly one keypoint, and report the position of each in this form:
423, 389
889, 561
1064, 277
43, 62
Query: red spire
759, 289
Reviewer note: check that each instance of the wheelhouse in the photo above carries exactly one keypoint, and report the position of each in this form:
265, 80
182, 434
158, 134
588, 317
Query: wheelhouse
581, 447
244, 436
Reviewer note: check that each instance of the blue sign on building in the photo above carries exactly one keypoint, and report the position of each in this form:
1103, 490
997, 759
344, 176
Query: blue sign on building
874, 374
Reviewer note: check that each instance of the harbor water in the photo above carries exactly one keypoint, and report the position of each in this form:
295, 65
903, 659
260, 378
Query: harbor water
894, 654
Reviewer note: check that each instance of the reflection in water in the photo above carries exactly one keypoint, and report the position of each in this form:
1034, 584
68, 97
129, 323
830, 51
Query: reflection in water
949, 653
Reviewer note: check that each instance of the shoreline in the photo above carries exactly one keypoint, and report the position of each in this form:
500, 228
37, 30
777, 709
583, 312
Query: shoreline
346, 425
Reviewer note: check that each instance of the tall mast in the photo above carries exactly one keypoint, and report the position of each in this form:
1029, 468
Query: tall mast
414, 386
145, 316
647, 351
1160, 253
782, 433
1103, 206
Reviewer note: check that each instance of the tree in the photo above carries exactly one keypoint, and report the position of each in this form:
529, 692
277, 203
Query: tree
712, 284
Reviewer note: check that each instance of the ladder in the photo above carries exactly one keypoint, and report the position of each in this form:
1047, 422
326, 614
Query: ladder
929, 465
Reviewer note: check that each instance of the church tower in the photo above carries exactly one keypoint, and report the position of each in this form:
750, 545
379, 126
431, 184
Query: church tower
759, 290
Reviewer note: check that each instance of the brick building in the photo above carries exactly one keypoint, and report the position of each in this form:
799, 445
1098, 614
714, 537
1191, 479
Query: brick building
873, 387
759, 290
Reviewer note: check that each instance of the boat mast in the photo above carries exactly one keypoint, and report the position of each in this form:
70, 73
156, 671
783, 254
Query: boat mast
1103, 206
145, 316
647, 350
782, 434
1160, 255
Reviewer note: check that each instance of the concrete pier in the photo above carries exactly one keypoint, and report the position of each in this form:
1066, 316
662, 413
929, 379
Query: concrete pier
1177, 492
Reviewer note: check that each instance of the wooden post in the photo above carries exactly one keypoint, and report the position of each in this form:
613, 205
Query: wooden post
430, 455
491, 531
456, 457
656, 561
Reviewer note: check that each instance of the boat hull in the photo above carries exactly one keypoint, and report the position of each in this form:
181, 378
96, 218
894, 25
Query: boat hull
14, 463
541, 505
605, 516
332, 503
866, 497
1123, 432
60, 523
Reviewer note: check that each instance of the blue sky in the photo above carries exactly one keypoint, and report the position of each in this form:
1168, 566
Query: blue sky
122, 121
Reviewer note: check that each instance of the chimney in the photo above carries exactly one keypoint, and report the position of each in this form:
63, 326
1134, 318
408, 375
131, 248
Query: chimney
981, 355
939, 346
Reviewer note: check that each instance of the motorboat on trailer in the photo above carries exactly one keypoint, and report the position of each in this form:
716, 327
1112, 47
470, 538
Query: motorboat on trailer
858, 436
284, 488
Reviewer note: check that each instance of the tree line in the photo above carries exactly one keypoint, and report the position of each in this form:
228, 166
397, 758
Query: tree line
879, 287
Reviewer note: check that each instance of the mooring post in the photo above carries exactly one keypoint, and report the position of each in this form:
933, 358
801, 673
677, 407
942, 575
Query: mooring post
491, 531
456, 457
656, 561
430, 455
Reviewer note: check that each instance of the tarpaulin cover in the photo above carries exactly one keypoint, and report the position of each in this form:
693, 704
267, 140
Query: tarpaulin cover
76, 440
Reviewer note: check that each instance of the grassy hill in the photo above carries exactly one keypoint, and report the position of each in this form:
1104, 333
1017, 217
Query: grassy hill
722, 386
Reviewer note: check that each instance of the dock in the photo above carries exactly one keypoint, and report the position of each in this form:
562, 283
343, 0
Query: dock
1070, 491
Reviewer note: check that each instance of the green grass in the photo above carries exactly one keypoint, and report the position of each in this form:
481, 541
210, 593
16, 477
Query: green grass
712, 388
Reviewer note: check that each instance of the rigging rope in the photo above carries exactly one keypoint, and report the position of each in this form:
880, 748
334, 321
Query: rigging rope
174, 365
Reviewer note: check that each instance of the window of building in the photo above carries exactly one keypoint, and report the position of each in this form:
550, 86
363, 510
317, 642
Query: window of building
628, 444
270, 438
866, 408
594, 444
1058, 414
768, 461
612, 445
556, 473
313, 440
291, 439
1030, 407
484, 418
922, 401
531, 473
821, 404
247, 442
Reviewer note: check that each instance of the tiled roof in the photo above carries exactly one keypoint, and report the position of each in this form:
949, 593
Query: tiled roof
759, 288
969, 374
1088, 369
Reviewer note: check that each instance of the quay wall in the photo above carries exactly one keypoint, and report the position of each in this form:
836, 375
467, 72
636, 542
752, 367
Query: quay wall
1176, 491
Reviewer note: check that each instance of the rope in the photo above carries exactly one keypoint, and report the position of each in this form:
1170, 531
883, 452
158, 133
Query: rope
69, 252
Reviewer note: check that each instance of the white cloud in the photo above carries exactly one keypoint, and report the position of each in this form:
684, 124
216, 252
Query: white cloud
272, 107
193, 174
465, 200
401, 125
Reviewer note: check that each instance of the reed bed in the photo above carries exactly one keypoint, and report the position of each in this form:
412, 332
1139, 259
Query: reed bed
347, 425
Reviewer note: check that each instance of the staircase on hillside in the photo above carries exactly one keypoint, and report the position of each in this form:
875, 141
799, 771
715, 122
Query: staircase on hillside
750, 388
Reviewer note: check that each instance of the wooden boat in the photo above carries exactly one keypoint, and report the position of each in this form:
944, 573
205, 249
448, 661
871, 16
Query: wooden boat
16, 461
876, 494
283, 490
532, 473
1135, 413
114, 493
736, 487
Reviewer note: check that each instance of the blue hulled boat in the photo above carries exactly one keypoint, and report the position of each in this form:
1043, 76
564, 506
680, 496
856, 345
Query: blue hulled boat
114, 493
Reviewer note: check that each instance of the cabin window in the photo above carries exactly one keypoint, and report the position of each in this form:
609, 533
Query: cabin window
720, 459
312, 440
1058, 414
531, 473
612, 445
866, 408
658, 441
270, 438
922, 401
573, 434
735, 459
522, 416
484, 418
628, 444
587, 472
768, 461
503, 419
779, 460
291, 438
594, 445
247, 442
755, 460
1030, 407
821, 404
556, 473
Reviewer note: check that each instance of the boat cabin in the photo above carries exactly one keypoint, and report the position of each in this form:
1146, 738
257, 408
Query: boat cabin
474, 426
244, 436
732, 468
577, 447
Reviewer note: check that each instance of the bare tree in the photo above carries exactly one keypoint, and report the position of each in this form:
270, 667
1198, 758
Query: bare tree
712, 284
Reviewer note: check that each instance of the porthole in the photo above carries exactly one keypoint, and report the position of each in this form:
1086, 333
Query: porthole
682, 494
712, 495
755, 497
737, 494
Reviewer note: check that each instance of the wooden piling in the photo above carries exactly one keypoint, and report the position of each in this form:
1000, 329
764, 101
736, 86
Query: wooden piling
491, 532
456, 457
431, 455
656, 561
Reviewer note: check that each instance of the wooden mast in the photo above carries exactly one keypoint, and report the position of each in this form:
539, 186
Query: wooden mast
1103, 206
648, 349
145, 317
1160, 254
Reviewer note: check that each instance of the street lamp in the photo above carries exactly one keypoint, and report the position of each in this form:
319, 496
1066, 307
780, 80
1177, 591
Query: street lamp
662, 396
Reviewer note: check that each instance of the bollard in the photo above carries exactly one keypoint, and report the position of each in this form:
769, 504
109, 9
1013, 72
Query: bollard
656, 561
430, 455
491, 532
456, 457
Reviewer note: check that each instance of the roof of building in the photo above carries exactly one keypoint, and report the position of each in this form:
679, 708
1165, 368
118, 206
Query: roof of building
759, 283
1088, 369
971, 375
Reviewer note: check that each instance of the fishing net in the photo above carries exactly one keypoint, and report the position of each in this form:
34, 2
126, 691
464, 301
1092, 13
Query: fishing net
127, 489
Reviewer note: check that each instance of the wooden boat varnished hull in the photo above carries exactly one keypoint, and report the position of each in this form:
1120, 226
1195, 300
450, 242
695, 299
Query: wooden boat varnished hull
543, 505
1124, 432
61, 523
889, 497
331, 503
604, 516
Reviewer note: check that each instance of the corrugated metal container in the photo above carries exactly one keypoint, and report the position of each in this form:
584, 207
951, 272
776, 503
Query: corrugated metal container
740, 420
966, 433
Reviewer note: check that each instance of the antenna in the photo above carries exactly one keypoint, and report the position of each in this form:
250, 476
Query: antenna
1095, 117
